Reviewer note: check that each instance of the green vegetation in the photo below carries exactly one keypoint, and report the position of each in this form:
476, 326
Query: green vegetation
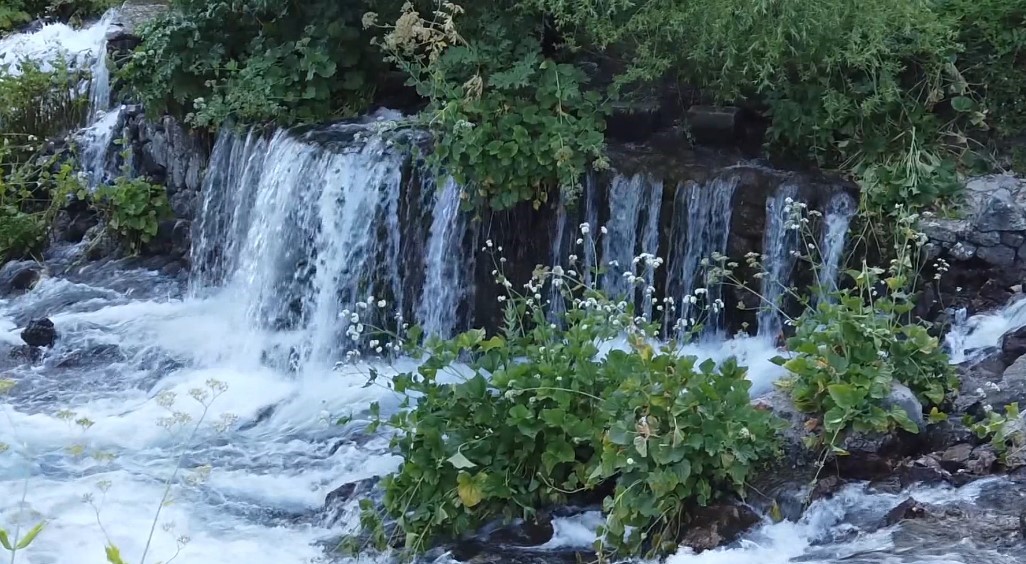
17, 12
36, 180
539, 415
897, 93
286, 62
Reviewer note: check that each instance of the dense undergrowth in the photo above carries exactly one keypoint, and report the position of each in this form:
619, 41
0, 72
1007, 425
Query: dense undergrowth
38, 173
901, 94
591, 403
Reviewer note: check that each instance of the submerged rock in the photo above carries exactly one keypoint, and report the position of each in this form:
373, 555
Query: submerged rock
717, 525
19, 276
908, 509
39, 333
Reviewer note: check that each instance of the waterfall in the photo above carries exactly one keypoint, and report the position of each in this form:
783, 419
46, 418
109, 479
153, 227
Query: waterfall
303, 231
619, 240
839, 212
650, 243
701, 227
236, 165
593, 200
445, 264
779, 243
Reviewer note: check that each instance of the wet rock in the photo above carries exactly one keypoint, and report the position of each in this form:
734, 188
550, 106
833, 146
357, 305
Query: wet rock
956, 457
717, 525
998, 256
39, 333
940, 436
963, 251
984, 239
825, 487
1013, 345
982, 460
25, 353
908, 509
715, 125
904, 398
99, 354
19, 276
524, 533
340, 505
926, 469
1014, 240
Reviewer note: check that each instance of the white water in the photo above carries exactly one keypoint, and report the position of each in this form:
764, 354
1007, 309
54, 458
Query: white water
80, 48
840, 209
970, 339
701, 227
446, 268
779, 241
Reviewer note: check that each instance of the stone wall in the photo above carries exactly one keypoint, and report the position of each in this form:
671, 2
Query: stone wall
983, 244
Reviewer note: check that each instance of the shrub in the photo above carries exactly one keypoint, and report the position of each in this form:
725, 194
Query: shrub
503, 427
133, 208
284, 62
509, 123
40, 102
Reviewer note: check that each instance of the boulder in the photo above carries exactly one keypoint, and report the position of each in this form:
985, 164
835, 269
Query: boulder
717, 525
39, 333
904, 398
908, 509
1013, 345
19, 276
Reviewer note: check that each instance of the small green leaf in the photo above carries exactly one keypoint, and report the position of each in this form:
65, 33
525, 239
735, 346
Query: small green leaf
962, 104
5, 541
114, 555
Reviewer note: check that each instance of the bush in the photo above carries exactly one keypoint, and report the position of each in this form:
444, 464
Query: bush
283, 62
133, 208
503, 427
40, 103
509, 123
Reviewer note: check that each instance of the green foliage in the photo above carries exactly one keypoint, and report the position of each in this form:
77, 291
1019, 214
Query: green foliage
509, 123
285, 62
993, 33
852, 347
505, 426
133, 208
1005, 431
21, 234
39, 103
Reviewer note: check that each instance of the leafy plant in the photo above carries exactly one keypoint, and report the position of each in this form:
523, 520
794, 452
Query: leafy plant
505, 426
509, 123
288, 63
133, 208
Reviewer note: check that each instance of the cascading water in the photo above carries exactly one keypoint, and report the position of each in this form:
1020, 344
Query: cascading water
839, 211
444, 285
779, 244
301, 239
633, 207
701, 227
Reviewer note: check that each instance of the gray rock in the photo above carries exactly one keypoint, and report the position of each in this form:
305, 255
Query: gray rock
958, 453
963, 251
984, 238
19, 276
1014, 240
717, 525
944, 230
998, 256
903, 397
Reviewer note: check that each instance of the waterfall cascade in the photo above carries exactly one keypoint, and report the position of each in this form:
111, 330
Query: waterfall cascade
701, 227
300, 237
839, 211
445, 265
780, 244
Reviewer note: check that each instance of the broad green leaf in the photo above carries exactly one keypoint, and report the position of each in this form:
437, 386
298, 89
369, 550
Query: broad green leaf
903, 421
962, 104
844, 395
468, 490
5, 541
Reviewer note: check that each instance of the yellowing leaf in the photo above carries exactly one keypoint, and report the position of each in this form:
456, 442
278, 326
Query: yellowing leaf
468, 490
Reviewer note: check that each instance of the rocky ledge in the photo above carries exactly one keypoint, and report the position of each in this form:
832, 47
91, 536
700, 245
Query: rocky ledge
983, 244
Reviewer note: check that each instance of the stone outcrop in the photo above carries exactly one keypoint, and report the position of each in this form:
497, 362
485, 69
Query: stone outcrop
984, 244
